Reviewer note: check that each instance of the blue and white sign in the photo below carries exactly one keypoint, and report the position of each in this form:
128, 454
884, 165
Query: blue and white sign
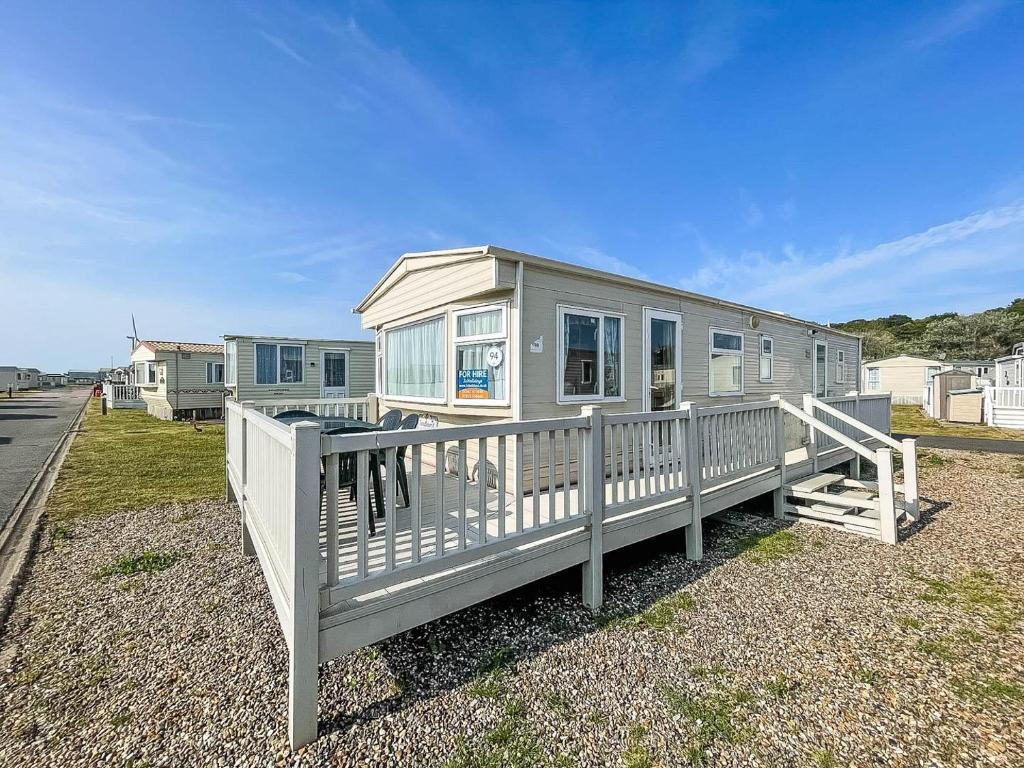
472, 384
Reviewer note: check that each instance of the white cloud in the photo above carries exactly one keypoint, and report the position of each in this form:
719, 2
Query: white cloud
946, 267
293, 277
961, 19
589, 256
284, 47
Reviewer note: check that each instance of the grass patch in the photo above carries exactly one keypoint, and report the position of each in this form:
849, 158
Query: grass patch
868, 676
558, 703
779, 685
769, 548
61, 533
149, 561
714, 717
490, 675
825, 758
977, 592
636, 754
659, 616
512, 743
910, 622
912, 420
940, 649
925, 459
989, 690
129, 459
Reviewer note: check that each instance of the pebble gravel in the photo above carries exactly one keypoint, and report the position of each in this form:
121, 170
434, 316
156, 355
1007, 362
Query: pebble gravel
837, 651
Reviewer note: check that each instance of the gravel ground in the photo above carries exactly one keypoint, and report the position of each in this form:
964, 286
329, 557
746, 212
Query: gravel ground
812, 648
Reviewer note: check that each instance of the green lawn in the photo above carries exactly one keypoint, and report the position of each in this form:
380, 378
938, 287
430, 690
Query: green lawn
129, 459
911, 420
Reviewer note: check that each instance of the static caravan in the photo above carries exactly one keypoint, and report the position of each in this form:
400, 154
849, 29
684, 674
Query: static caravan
8, 377
266, 367
53, 380
26, 378
180, 380
485, 334
905, 376
84, 377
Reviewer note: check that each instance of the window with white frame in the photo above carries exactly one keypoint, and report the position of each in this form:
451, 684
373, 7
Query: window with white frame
480, 342
766, 359
278, 363
145, 373
874, 378
151, 373
840, 367
414, 360
590, 362
215, 373
929, 373
231, 363
725, 362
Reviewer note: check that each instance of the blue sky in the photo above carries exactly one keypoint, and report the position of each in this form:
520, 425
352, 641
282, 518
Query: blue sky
235, 167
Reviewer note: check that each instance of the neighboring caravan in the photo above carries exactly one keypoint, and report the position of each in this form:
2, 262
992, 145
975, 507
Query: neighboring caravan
263, 367
26, 378
180, 380
8, 378
84, 377
485, 334
905, 376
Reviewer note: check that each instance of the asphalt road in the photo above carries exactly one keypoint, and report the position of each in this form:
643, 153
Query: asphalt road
30, 426
992, 445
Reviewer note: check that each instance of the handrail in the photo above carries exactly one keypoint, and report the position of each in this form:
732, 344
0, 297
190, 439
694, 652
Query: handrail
824, 428
865, 428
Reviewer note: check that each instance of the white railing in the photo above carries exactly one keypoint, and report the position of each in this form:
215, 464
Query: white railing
122, 395
1004, 407
339, 407
1008, 397
872, 410
532, 497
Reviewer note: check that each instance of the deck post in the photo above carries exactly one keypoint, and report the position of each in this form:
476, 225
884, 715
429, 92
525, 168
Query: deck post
779, 496
812, 446
304, 588
248, 549
886, 497
372, 408
855, 461
910, 497
593, 569
694, 532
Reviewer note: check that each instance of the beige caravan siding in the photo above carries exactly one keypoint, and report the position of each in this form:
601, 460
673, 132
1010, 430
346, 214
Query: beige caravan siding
360, 368
545, 290
187, 387
904, 376
436, 286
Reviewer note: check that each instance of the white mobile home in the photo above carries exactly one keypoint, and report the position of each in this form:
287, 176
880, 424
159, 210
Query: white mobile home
905, 376
273, 367
180, 380
26, 378
482, 334
8, 377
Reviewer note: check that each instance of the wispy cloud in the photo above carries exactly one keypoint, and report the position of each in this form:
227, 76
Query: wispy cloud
292, 277
964, 17
283, 47
924, 271
712, 38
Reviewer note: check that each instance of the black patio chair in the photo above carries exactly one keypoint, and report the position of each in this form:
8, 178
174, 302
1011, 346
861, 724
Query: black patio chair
409, 422
348, 474
390, 420
295, 414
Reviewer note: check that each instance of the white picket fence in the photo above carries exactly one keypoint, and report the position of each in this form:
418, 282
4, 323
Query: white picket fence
514, 501
338, 407
1004, 407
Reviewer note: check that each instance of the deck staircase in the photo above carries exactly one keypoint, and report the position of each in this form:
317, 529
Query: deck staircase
831, 499
836, 501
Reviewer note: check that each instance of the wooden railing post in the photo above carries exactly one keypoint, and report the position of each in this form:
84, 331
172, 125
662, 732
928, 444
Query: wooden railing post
779, 500
886, 497
812, 446
593, 569
910, 497
304, 660
372, 408
694, 532
247, 546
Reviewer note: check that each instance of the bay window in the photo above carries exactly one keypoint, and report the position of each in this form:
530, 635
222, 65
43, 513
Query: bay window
414, 360
279, 363
481, 346
725, 370
589, 355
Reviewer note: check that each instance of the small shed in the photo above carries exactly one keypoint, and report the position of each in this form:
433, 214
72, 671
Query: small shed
944, 383
966, 405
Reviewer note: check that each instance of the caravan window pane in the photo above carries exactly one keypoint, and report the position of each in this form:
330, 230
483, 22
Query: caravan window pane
291, 364
231, 363
473, 369
483, 323
266, 364
580, 346
612, 356
415, 360
732, 341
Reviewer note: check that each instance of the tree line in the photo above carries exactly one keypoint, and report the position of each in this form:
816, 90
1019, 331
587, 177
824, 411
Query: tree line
982, 336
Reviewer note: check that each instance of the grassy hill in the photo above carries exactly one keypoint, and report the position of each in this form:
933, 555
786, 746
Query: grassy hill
981, 336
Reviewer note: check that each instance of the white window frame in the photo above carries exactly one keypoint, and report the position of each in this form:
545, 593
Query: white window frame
814, 368
211, 372
874, 386
378, 362
457, 341
445, 363
840, 366
231, 363
277, 368
927, 378
600, 314
762, 355
712, 349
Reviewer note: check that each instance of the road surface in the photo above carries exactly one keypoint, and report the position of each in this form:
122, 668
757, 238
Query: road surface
30, 425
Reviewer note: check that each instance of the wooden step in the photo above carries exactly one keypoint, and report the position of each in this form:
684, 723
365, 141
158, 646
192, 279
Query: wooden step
871, 533
857, 493
846, 517
815, 482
